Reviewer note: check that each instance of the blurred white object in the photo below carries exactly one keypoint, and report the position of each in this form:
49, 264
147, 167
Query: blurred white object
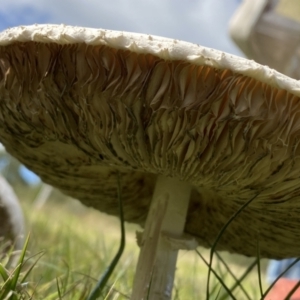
12, 227
268, 31
43, 195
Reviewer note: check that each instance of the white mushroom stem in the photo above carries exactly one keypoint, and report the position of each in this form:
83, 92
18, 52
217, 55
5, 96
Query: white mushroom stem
157, 261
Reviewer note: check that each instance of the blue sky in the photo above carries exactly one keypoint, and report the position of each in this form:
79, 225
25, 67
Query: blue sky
204, 22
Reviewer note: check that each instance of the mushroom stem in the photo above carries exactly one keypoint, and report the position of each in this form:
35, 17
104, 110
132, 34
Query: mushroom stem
165, 223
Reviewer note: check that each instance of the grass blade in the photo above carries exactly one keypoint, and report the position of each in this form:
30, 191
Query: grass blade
58, 288
278, 277
3, 273
292, 291
16, 273
218, 277
103, 280
259, 269
220, 235
32, 266
237, 281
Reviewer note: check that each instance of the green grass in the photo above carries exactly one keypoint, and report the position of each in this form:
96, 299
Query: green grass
70, 246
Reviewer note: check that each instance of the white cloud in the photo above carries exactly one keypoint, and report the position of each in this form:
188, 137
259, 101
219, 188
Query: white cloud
204, 21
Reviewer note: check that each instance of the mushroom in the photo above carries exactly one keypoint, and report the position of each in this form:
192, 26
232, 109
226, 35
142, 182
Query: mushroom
11, 216
191, 130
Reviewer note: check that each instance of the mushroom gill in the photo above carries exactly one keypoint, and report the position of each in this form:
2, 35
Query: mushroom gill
76, 114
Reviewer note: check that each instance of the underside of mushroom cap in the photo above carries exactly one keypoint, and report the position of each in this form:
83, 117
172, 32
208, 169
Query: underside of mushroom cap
79, 105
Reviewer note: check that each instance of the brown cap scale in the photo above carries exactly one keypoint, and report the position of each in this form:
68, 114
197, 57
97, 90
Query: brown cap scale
79, 105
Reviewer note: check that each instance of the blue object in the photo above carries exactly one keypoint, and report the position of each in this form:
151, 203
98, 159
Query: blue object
28, 176
276, 267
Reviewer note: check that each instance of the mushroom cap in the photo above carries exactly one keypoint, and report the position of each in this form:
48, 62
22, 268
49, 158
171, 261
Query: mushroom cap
12, 225
79, 105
